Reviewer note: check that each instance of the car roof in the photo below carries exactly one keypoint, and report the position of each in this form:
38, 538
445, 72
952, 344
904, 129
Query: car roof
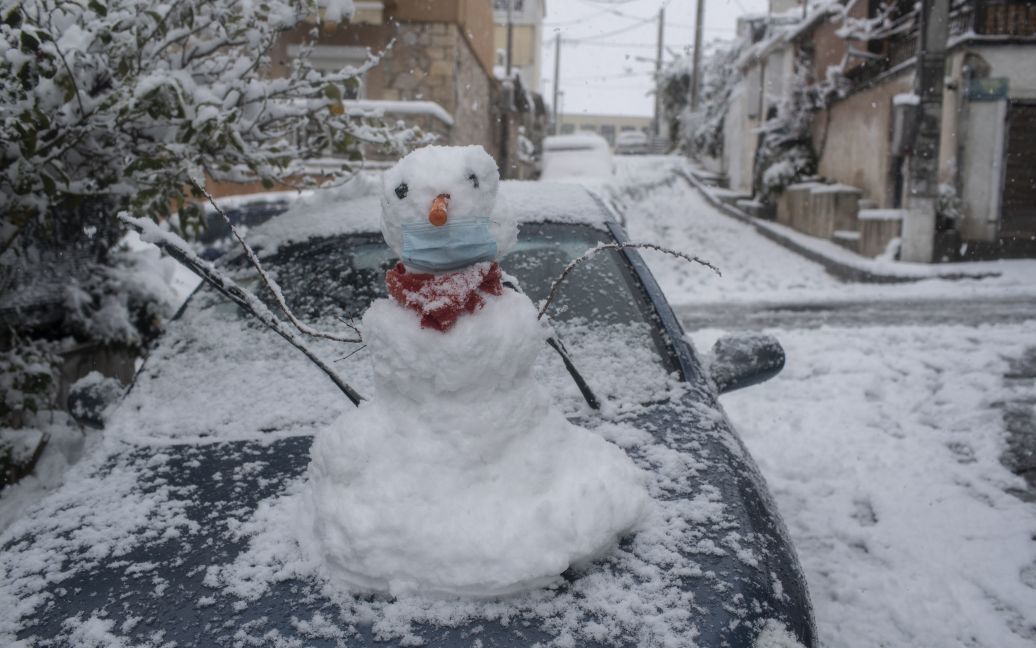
355, 208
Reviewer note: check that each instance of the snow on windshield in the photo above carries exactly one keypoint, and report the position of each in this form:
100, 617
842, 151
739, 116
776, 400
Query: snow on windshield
355, 207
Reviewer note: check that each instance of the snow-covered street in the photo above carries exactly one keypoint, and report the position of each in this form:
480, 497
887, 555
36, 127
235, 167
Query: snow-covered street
882, 438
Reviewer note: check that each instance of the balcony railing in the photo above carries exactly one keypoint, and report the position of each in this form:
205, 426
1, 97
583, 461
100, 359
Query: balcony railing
981, 19
1004, 18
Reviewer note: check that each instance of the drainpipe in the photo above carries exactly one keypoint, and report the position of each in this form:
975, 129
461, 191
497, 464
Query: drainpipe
922, 186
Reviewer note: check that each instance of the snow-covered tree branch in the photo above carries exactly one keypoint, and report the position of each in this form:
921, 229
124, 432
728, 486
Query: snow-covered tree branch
123, 98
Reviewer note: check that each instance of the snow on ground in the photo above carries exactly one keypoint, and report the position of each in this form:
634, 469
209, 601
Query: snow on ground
882, 448
881, 444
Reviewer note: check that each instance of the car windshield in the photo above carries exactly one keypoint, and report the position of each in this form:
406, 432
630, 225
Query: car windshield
601, 313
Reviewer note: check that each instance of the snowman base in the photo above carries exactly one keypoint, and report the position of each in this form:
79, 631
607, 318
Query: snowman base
459, 477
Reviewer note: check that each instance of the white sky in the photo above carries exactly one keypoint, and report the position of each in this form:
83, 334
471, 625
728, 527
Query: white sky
606, 76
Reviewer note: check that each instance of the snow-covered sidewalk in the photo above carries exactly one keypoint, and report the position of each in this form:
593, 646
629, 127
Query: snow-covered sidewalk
881, 443
755, 269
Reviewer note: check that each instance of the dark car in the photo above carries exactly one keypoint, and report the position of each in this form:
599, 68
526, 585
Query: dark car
160, 536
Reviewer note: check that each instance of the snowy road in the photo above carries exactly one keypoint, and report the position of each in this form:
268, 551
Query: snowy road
882, 438
896, 312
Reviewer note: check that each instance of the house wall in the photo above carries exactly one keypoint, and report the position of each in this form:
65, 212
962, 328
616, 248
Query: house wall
739, 138
1017, 63
981, 168
435, 57
474, 18
472, 111
763, 84
780, 69
979, 147
526, 51
831, 49
527, 38
852, 139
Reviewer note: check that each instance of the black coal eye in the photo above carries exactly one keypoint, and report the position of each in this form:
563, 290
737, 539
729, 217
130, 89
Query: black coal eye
401, 190
474, 180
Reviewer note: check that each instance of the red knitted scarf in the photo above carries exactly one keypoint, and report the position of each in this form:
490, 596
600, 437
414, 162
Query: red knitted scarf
441, 299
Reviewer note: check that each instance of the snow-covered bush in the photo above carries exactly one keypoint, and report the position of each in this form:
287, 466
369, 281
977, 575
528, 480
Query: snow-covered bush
701, 132
28, 382
108, 105
785, 153
125, 98
123, 302
948, 207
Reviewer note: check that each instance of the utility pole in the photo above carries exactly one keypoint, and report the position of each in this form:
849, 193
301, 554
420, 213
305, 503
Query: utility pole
699, 20
923, 164
658, 74
510, 34
557, 77
507, 99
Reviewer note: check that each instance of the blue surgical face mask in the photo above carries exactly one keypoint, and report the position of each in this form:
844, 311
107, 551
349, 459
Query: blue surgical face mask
448, 247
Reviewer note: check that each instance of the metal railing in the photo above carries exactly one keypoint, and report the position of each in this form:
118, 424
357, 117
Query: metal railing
1010, 18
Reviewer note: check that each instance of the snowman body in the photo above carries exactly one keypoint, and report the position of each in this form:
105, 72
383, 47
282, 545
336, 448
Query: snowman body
459, 477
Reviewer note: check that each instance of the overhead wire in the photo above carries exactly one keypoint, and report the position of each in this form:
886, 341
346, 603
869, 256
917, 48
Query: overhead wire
614, 32
602, 77
576, 21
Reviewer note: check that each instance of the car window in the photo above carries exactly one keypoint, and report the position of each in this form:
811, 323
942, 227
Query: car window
600, 312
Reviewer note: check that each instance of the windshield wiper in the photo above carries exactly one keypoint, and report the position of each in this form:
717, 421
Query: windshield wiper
555, 343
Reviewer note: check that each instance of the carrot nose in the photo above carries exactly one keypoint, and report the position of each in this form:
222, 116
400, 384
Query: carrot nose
437, 214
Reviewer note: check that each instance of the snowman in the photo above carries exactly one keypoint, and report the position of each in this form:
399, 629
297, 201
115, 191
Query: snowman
459, 477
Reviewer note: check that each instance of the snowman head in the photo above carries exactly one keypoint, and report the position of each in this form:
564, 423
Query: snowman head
437, 209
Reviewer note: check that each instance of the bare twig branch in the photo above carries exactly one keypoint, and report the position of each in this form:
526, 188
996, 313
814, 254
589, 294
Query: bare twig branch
272, 285
351, 353
71, 78
616, 246
178, 249
346, 322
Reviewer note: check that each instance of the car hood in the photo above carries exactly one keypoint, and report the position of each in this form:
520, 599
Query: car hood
157, 542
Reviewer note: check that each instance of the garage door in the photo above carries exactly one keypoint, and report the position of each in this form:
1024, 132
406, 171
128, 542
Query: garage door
1018, 216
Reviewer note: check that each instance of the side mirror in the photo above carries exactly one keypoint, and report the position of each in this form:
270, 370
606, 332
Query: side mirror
90, 398
745, 359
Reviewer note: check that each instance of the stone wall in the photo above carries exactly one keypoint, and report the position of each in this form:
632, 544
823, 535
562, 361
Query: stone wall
433, 62
429, 61
472, 112
474, 17
853, 139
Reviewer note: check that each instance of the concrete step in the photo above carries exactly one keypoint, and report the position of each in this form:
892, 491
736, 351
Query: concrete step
849, 239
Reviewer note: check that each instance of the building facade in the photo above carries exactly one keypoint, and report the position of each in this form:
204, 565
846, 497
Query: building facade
526, 38
859, 60
437, 74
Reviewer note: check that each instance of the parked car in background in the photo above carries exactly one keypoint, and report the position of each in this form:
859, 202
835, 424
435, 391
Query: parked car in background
576, 157
158, 535
633, 142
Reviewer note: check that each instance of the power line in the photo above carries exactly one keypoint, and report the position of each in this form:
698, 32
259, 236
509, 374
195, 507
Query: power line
614, 32
618, 45
604, 77
576, 21
622, 30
